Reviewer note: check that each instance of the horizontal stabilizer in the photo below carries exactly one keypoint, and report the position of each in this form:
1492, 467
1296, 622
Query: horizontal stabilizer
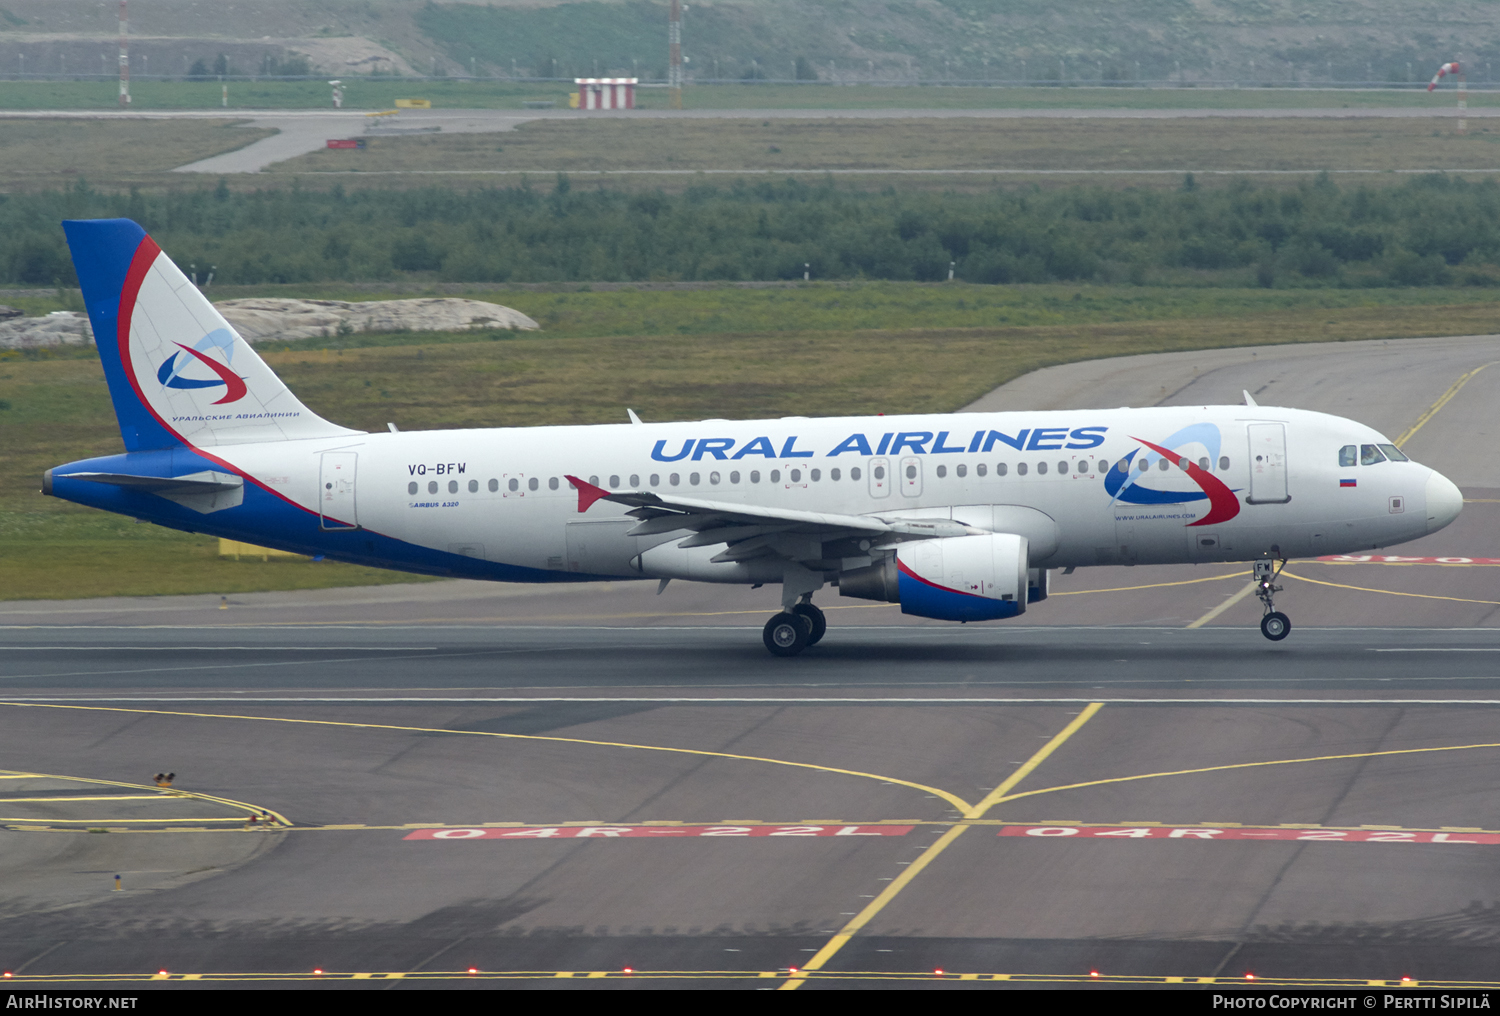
205, 492
194, 483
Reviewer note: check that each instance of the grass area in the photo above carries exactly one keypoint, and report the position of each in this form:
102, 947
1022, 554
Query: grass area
457, 93
1116, 145
54, 409
359, 93
829, 96
71, 555
574, 310
114, 154
117, 152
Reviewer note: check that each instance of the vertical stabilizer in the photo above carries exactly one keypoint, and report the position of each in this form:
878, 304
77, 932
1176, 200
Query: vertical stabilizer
177, 372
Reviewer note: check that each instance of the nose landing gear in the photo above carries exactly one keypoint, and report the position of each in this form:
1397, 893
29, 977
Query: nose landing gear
1274, 625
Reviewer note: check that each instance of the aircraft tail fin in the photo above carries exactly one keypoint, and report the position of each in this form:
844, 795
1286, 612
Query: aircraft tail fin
177, 371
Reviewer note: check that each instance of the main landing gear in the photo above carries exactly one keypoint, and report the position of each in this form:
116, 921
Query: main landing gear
1274, 625
791, 631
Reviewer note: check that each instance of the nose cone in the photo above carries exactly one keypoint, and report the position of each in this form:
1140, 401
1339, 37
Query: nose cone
1444, 501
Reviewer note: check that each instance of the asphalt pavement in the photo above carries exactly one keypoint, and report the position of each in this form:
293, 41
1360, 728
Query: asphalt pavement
548, 786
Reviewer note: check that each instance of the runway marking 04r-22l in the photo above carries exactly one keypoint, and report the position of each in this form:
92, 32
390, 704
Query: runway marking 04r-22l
615, 832
1250, 833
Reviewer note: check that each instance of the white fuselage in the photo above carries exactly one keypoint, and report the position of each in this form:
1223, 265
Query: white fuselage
502, 495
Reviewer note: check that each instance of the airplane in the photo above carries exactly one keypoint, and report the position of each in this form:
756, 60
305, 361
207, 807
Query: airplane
957, 517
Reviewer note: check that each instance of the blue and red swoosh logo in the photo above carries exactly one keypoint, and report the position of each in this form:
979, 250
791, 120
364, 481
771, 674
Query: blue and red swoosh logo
1223, 505
220, 338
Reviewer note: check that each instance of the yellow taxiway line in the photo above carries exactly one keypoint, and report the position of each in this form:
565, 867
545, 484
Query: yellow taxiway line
959, 803
875, 906
1437, 406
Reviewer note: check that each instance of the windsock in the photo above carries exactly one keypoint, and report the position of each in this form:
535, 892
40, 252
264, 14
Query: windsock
1447, 68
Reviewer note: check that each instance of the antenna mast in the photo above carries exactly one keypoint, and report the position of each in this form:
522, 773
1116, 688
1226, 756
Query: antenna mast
674, 53
124, 57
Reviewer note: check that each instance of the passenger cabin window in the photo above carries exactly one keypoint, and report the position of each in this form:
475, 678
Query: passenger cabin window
1001, 469
1393, 453
1083, 467
734, 477
1348, 455
533, 483
980, 469
775, 476
1062, 467
1123, 466
816, 475
1020, 469
796, 476
1103, 465
879, 473
494, 486
674, 479
853, 473
1163, 465
713, 479
962, 471
411, 488
693, 479
593, 481
552, 483
453, 486
942, 471
614, 481
656, 479
1041, 468
834, 474
755, 476
515, 484
473, 486
1224, 463
432, 486
1204, 464
635, 479
1369, 455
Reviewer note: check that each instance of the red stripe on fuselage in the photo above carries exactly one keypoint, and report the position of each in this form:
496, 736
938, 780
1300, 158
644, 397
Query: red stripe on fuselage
1223, 505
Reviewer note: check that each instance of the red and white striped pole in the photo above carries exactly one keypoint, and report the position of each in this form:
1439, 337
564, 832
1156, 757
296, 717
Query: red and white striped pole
124, 57
1456, 69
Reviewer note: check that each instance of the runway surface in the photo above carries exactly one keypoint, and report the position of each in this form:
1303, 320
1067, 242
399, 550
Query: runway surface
549, 786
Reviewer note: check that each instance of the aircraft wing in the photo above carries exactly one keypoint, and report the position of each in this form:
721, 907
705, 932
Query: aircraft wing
755, 530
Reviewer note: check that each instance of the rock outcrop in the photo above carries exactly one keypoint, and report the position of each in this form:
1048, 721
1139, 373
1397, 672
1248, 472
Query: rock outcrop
276, 320
60, 328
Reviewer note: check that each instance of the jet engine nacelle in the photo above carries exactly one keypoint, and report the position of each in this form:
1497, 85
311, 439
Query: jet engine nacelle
960, 578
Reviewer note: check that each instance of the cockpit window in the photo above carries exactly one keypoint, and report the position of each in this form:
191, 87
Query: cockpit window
1348, 455
1393, 453
1369, 455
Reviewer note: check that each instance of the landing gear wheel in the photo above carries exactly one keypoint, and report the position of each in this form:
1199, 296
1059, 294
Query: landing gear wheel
1275, 626
819, 622
787, 634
